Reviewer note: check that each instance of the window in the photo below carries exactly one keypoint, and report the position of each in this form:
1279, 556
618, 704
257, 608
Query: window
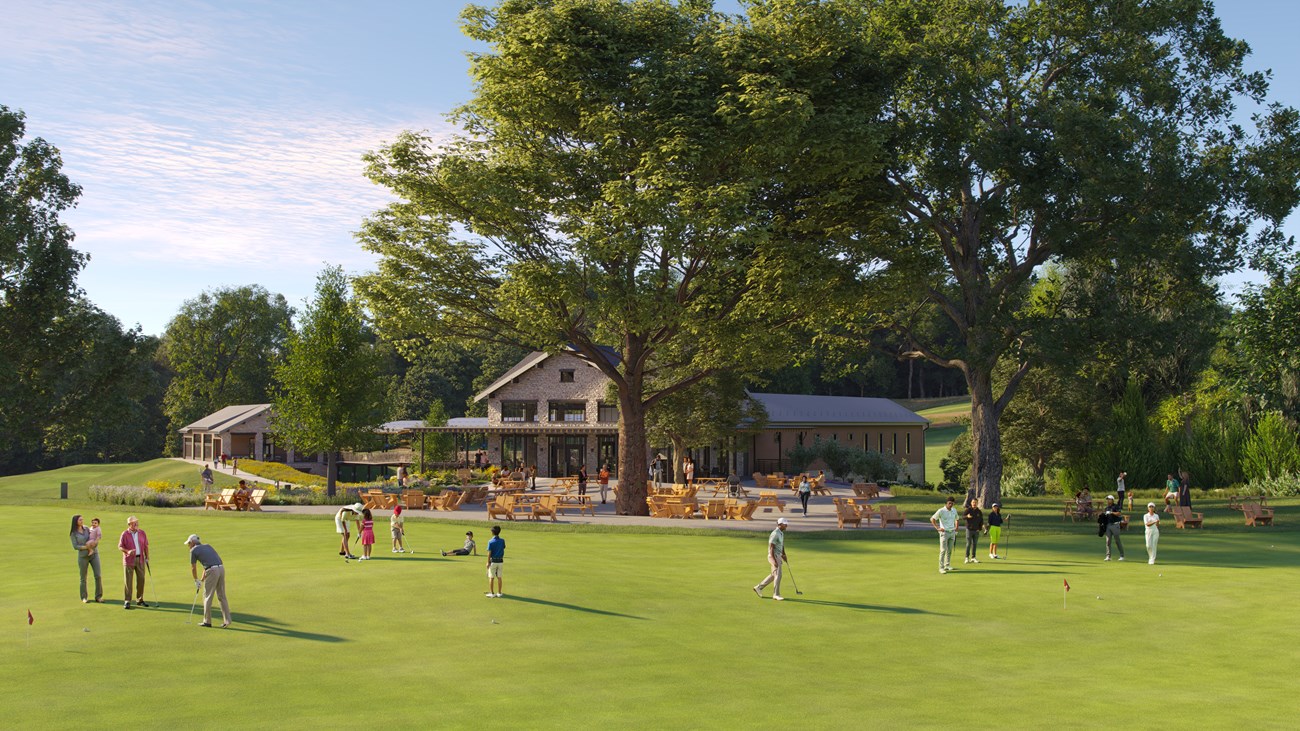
518, 411
908, 441
606, 412
880, 442
568, 411
566, 376
894, 448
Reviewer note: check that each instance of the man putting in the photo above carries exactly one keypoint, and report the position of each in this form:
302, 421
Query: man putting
496, 549
944, 520
775, 555
347, 512
213, 582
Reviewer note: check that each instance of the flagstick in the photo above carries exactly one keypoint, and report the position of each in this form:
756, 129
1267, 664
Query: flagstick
1064, 593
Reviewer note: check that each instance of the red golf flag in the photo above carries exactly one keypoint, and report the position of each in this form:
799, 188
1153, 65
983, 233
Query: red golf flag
30, 620
1067, 584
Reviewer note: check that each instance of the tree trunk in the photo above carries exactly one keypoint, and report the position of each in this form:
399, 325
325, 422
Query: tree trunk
631, 457
986, 438
331, 471
911, 367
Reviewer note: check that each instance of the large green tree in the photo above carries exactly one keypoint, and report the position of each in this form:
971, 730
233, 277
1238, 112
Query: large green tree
1265, 344
634, 175
1102, 135
332, 388
222, 349
38, 270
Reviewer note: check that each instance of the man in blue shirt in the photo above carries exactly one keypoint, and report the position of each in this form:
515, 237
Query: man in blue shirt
496, 549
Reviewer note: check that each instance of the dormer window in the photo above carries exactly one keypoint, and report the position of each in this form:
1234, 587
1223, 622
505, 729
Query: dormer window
566, 375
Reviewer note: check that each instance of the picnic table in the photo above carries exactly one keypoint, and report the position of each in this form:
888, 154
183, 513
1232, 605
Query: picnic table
564, 484
580, 503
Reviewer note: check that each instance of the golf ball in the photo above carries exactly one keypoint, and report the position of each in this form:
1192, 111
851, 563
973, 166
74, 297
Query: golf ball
85, 629
1098, 597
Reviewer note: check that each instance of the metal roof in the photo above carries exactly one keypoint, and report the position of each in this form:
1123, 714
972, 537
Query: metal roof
225, 418
802, 409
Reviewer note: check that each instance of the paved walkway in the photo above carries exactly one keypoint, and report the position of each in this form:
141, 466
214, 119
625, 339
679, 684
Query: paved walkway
821, 511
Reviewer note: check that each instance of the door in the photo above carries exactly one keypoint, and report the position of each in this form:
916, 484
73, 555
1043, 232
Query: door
607, 453
567, 455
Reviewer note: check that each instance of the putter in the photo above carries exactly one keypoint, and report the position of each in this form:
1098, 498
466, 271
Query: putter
792, 581
1006, 534
149, 568
193, 605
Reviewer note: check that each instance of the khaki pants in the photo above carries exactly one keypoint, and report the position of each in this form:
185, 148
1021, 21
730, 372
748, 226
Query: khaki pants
214, 583
947, 541
134, 575
773, 578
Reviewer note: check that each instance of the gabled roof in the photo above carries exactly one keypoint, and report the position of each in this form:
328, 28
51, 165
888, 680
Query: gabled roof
801, 409
227, 417
535, 357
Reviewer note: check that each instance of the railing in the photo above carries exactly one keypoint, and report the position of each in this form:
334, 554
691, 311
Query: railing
391, 456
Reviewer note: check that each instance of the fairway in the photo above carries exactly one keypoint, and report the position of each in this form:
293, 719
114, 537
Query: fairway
623, 629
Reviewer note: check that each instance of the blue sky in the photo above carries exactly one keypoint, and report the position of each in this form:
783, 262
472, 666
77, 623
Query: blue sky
219, 144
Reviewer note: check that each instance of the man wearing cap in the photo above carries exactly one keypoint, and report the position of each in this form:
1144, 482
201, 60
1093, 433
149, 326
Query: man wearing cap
134, 545
213, 581
944, 520
347, 512
775, 555
1114, 520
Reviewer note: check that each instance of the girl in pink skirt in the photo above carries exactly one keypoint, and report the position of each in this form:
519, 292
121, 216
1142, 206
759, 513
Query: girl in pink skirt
367, 533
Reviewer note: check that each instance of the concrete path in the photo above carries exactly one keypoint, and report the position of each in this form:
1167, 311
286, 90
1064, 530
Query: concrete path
821, 511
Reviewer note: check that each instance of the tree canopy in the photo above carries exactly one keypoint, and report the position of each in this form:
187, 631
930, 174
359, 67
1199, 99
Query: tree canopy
632, 175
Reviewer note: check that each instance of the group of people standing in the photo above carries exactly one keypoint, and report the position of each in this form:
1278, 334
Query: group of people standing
134, 547
944, 521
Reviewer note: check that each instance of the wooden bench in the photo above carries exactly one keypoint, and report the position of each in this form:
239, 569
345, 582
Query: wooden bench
1257, 514
819, 487
866, 490
889, 514
769, 500
1238, 502
1185, 518
414, 499
1074, 511
846, 513
713, 510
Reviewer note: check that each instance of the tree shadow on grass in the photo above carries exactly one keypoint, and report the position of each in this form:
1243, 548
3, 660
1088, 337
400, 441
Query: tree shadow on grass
866, 607
572, 607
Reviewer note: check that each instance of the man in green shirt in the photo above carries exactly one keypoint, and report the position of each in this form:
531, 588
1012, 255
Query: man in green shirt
775, 555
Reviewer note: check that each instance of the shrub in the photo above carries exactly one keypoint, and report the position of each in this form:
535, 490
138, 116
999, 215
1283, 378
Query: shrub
1271, 451
1286, 485
956, 465
1020, 481
136, 495
162, 485
843, 461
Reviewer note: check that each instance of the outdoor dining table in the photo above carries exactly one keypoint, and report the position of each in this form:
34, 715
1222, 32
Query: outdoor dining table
582, 503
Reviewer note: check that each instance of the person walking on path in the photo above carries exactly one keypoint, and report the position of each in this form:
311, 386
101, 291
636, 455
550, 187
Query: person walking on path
944, 521
1114, 519
496, 549
582, 480
206, 476
1121, 489
87, 557
367, 533
994, 529
134, 545
213, 582
1152, 523
467, 549
603, 477
775, 558
397, 526
974, 524
347, 512
805, 492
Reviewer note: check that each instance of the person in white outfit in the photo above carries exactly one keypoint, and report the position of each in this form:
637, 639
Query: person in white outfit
1152, 522
944, 521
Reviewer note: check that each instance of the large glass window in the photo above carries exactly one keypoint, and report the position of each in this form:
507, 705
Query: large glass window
568, 411
607, 412
518, 449
518, 411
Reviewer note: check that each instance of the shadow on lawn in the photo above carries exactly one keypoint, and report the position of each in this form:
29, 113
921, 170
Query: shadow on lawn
573, 607
256, 624
866, 607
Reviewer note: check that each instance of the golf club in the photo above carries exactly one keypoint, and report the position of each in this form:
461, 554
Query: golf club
792, 581
407, 541
148, 568
195, 603
1006, 538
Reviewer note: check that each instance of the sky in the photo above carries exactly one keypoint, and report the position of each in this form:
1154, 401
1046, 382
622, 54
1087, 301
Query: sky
219, 144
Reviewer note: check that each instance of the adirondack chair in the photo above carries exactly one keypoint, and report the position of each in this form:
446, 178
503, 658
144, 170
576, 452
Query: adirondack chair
413, 499
866, 490
502, 506
224, 500
889, 514
713, 510
1185, 518
747, 510
845, 513
546, 505
255, 500
658, 505
1257, 514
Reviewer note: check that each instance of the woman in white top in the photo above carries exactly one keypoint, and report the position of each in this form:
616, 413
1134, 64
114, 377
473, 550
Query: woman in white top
1152, 522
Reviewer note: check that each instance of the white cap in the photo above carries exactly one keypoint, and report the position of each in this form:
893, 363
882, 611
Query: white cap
782, 521
1151, 505
1110, 497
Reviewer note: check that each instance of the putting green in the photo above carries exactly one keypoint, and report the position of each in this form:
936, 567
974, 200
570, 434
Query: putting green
635, 629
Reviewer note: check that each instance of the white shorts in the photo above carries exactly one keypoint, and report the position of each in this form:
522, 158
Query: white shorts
494, 570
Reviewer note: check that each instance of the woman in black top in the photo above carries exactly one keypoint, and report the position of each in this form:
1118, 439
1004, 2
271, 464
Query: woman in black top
995, 529
582, 480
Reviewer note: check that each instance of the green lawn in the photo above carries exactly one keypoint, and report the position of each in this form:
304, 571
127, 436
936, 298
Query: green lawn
937, 440
948, 413
39, 488
614, 628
